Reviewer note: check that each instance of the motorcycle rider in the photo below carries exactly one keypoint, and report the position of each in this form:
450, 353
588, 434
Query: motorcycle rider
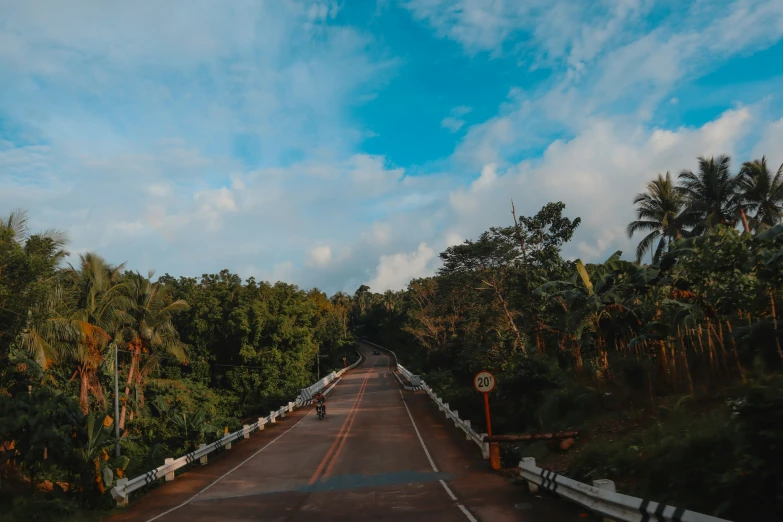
320, 400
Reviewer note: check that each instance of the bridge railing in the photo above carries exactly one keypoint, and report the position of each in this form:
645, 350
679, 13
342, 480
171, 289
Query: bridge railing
601, 497
418, 384
124, 487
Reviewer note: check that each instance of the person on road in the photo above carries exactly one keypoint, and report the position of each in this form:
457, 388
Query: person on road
320, 400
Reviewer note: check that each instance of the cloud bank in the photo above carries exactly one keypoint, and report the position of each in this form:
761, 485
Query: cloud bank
227, 138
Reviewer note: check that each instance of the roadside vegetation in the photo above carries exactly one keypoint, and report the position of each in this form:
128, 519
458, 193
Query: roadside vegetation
194, 356
670, 367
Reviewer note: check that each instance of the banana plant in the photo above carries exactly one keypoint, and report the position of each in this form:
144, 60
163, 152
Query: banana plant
94, 456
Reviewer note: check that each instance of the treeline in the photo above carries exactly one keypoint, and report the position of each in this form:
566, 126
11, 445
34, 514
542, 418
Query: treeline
572, 343
193, 356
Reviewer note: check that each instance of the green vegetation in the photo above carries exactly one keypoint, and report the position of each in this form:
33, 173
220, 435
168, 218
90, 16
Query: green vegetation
195, 357
671, 370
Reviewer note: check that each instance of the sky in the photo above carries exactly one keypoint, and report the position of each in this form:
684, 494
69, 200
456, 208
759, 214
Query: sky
332, 143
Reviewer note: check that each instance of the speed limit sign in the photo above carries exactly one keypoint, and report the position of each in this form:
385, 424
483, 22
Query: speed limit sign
484, 381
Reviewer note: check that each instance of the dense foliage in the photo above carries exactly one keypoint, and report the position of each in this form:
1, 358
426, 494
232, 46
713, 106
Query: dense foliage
194, 358
571, 342
686, 349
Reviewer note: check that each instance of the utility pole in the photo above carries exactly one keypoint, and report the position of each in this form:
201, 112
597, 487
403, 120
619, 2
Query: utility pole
318, 362
116, 404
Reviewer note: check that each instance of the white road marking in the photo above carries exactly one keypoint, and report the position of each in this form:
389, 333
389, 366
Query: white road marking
451, 494
188, 501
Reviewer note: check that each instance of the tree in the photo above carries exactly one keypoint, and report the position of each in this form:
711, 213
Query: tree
95, 313
489, 261
660, 213
712, 195
762, 193
342, 304
28, 285
148, 329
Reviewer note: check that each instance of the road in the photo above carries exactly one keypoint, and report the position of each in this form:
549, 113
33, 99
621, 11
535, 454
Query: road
379, 454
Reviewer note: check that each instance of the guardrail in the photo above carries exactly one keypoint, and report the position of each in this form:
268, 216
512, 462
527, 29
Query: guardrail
602, 498
413, 379
125, 487
418, 384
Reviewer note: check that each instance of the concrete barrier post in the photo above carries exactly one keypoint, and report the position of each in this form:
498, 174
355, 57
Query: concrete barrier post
272, 417
121, 484
169, 475
261, 422
607, 485
530, 461
228, 445
467, 433
282, 412
484, 447
246, 431
202, 460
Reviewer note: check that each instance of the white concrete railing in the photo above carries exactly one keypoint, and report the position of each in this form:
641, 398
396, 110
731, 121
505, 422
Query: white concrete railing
602, 498
125, 487
413, 379
463, 424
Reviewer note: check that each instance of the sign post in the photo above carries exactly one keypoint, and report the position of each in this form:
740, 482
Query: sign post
484, 382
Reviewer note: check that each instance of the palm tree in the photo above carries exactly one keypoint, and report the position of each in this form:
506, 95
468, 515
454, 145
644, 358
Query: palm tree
762, 193
42, 328
148, 328
659, 212
95, 314
712, 194
15, 224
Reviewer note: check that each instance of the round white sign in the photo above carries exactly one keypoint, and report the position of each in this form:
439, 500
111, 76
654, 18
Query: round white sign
484, 381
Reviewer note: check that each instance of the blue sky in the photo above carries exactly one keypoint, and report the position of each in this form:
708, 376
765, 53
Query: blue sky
337, 143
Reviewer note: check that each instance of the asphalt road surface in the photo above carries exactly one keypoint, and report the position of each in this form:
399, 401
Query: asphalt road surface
379, 454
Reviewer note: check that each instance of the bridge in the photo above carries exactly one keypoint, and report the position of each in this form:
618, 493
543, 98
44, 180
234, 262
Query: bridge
381, 453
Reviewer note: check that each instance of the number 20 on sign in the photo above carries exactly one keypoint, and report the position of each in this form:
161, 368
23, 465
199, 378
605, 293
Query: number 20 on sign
484, 382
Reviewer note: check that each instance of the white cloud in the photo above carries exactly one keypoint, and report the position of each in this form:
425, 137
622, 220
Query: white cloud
560, 29
394, 272
380, 234
128, 228
238, 138
454, 122
212, 204
625, 74
320, 255
159, 190
596, 175
771, 145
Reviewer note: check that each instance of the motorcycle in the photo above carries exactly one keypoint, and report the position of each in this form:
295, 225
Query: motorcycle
319, 409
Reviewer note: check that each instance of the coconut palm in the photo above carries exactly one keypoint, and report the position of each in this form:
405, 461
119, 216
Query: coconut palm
95, 307
712, 194
660, 213
762, 193
15, 224
148, 329
42, 329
